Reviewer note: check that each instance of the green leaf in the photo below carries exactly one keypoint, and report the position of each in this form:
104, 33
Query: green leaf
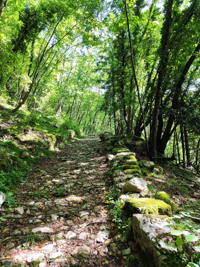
197, 248
191, 238
192, 264
179, 241
176, 232
186, 233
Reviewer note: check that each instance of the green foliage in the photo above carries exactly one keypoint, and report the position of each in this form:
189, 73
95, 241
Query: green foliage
119, 215
187, 237
133, 260
10, 200
9, 180
141, 162
59, 193
68, 125
32, 136
114, 194
33, 238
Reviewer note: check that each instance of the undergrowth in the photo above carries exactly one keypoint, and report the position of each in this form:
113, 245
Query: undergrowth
119, 216
25, 138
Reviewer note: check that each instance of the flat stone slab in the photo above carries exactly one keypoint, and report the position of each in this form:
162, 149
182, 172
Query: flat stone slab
36, 256
70, 235
81, 252
42, 230
123, 154
20, 210
2, 198
135, 185
149, 164
59, 201
48, 248
102, 236
60, 242
148, 206
56, 255
154, 239
73, 198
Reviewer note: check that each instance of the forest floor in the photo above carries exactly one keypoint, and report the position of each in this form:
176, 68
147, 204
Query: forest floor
61, 218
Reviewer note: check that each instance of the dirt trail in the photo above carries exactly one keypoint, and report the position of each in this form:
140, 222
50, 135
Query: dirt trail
62, 218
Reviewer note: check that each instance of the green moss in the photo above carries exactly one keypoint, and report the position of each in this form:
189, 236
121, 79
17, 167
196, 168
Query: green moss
131, 162
163, 196
145, 172
130, 157
148, 206
135, 167
35, 263
175, 208
118, 168
128, 167
132, 171
120, 150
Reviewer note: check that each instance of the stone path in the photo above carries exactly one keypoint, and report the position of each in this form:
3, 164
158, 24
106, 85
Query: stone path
62, 219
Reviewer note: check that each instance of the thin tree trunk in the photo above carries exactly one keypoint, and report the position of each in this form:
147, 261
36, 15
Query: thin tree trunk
134, 74
197, 153
3, 5
177, 145
187, 146
161, 70
183, 145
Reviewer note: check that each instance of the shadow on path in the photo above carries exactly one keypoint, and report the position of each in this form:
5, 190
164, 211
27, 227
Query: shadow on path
62, 219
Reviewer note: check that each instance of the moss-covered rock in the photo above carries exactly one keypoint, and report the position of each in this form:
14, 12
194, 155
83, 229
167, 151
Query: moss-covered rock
117, 173
133, 171
163, 196
120, 185
124, 198
117, 168
130, 156
149, 165
148, 206
119, 179
153, 237
135, 185
131, 162
166, 198
110, 157
158, 170
145, 172
128, 167
120, 150
122, 155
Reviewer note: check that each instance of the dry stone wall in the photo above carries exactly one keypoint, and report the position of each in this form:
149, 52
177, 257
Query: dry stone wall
150, 216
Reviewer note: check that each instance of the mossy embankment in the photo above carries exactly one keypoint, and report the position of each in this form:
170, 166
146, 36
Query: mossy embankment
26, 138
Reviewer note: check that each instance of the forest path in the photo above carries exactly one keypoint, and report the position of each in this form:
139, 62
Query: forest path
62, 219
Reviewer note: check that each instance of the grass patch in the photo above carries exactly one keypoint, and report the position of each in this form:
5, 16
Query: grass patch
26, 138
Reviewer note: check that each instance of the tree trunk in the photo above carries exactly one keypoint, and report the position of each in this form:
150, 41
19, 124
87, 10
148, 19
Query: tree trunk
177, 145
197, 152
161, 70
183, 146
3, 4
187, 146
